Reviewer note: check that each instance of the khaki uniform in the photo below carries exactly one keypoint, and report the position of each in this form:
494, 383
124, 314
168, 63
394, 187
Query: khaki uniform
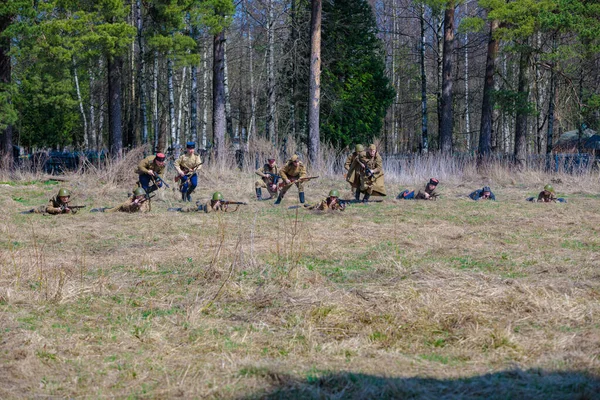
326, 205
130, 206
53, 207
148, 164
290, 171
421, 195
373, 185
266, 183
352, 175
546, 196
187, 163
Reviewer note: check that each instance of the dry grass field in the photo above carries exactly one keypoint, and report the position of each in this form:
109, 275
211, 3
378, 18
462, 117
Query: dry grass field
401, 299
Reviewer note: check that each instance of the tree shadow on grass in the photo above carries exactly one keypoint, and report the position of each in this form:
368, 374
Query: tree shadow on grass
511, 384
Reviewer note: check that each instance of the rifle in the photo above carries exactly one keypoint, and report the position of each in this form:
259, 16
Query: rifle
158, 179
353, 201
188, 172
225, 202
274, 177
297, 180
73, 209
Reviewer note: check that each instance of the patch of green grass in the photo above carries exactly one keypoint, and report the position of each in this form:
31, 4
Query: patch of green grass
579, 245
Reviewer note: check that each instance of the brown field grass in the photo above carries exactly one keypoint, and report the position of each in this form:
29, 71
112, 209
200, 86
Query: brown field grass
403, 299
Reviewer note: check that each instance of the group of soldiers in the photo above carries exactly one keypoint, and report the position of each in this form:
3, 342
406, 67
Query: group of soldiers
364, 173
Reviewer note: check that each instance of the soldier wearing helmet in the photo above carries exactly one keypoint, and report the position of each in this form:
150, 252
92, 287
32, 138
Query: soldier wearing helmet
58, 204
352, 176
293, 170
547, 196
269, 175
138, 202
483, 194
370, 174
187, 166
332, 202
148, 169
216, 204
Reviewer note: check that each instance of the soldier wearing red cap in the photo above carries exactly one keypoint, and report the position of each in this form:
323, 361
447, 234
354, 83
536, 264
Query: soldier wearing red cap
269, 175
429, 192
148, 169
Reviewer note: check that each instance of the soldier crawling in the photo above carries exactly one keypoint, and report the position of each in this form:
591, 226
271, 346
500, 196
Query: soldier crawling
269, 174
483, 194
58, 204
138, 202
547, 196
332, 202
216, 204
428, 193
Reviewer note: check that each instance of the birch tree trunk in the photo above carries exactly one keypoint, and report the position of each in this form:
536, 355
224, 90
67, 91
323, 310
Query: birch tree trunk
81, 109
228, 119
467, 109
115, 133
315, 81
219, 121
142, 72
93, 140
447, 81
204, 121
156, 117
521, 119
181, 136
252, 122
424, 117
171, 90
271, 133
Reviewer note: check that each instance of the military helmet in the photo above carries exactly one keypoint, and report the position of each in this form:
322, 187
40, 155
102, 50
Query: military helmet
334, 193
217, 196
64, 193
549, 188
139, 192
359, 148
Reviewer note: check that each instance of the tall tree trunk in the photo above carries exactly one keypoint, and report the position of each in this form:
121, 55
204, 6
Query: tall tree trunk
271, 132
439, 37
81, 109
156, 117
521, 119
252, 122
93, 140
204, 121
180, 129
5, 79
551, 104
228, 118
115, 130
487, 105
194, 104
447, 80
219, 122
172, 125
315, 81
424, 117
467, 103
141, 73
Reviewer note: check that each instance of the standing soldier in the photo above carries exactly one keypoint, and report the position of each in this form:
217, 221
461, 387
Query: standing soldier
292, 171
148, 169
370, 170
58, 204
187, 166
352, 176
269, 174
332, 202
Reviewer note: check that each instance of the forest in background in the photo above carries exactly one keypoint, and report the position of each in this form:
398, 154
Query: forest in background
492, 76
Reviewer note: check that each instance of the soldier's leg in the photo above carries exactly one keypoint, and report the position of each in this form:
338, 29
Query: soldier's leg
145, 181
193, 184
258, 185
184, 184
282, 193
300, 192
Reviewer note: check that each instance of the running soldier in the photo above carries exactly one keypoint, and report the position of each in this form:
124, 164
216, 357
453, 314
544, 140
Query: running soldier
187, 166
292, 173
148, 170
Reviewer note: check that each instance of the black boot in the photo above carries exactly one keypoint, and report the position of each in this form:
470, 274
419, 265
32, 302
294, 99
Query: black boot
258, 194
301, 196
188, 197
183, 194
357, 196
279, 198
366, 198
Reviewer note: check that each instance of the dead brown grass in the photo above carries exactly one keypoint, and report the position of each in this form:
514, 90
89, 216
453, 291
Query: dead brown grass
446, 299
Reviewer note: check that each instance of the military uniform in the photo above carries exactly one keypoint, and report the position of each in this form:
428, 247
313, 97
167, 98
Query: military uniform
352, 176
266, 181
132, 206
292, 172
431, 192
546, 196
478, 195
327, 204
373, 184
54, 206
144, 167
186, 165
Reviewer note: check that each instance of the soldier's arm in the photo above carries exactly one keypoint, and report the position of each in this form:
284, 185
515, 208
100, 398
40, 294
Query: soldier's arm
143, 166
283, 174
178, 165
51, 209
260, 172
348, 162
303, 173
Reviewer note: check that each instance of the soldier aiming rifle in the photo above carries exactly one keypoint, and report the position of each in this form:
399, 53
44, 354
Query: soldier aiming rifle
216, 204
58, 204
138, 202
